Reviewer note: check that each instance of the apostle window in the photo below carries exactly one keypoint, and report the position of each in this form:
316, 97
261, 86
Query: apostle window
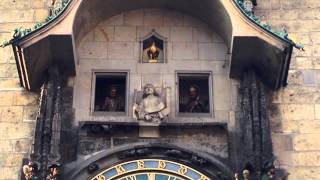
194, 92
110, 92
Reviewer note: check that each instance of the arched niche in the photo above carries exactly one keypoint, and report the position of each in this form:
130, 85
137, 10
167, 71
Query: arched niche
212, 12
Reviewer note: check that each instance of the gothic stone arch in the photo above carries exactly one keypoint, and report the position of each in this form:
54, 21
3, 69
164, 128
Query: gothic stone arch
144, 159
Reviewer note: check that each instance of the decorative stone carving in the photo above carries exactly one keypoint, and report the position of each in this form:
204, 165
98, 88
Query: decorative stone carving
135, 153
176, 153
248, 6
198, 160
93, 167
150, 105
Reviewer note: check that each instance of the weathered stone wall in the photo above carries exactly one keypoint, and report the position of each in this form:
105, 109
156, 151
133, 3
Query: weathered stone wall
17, 107
204, 138
295, 110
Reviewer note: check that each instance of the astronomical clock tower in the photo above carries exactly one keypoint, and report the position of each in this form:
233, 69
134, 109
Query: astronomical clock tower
152, 90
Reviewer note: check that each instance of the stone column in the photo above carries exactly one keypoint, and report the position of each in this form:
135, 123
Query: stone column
255, 138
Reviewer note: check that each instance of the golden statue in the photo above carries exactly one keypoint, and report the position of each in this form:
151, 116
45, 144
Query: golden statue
153, 52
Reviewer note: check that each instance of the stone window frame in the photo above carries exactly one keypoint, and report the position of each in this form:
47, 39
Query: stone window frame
159, 36
93, 92
211, 94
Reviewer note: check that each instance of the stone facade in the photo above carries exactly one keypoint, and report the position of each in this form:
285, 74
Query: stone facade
17, 106
114, 45
294, 111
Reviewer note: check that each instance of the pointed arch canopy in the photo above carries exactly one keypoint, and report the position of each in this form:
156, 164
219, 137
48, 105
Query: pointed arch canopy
250, 46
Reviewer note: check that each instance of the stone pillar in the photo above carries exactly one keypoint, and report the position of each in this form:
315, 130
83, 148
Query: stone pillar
255, 138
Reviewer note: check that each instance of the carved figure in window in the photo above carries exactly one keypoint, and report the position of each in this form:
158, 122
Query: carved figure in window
151, 106
194, 104
110, 92
153, 48
194, 93
113, 102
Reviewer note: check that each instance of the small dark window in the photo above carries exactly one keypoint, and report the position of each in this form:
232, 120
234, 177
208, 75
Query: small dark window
110, 92
194, 93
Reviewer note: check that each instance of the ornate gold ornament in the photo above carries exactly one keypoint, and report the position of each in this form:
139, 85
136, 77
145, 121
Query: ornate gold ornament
153, 53
120, 169
162, 164
204, 178
151, 176
101, 177
140, 164
183, 170
153, 48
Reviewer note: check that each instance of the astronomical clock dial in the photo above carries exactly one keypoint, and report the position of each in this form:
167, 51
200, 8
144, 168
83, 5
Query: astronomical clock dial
150, 169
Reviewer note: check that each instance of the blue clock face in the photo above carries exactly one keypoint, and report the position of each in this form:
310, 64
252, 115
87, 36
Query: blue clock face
150, 169
151, 176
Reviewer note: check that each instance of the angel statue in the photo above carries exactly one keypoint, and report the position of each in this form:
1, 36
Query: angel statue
150, 106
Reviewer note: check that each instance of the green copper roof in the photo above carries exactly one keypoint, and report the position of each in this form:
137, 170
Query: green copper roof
20, 33
279, 34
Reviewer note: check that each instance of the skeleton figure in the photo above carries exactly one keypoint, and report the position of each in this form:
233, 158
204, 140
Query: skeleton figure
113, 102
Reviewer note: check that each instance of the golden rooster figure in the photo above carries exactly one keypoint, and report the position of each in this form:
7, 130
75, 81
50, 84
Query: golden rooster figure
153, 52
